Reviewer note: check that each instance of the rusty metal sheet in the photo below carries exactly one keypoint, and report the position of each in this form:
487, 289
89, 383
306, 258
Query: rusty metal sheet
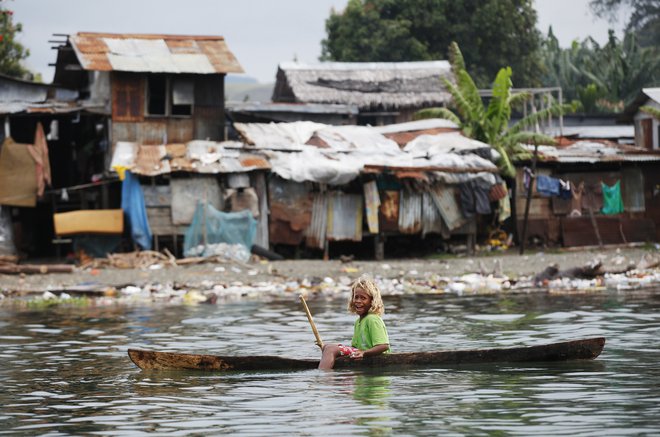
176, 150
388, 217
91, 52
183, 46
154, 53
220, 56
254, 162
445, 200
150, 162
410, 212
290, 211
409, 174
403, 138
344, 216
316, 232
179, 130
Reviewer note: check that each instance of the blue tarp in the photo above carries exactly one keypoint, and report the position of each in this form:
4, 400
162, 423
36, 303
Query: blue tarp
547, 186
221, 227
132, 202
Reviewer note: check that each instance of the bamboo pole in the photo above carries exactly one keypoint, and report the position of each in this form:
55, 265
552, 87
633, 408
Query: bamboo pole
319, 342
528, 201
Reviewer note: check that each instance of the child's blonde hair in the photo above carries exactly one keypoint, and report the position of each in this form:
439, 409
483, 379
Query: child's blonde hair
368, 285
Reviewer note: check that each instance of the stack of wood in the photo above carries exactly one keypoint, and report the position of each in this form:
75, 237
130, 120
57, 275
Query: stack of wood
9, 265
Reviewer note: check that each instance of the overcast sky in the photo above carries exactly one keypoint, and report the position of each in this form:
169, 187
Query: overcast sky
261, 33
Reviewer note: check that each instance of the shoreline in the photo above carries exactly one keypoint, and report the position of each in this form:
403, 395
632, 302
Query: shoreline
491, 272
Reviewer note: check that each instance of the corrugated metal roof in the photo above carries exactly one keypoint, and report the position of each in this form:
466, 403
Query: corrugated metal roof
592, 132
417, 125
195, 156
349, 150
594, 152
18, 95
154, 53
653, 93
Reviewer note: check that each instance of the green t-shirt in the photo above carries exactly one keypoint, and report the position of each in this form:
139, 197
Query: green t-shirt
368, 332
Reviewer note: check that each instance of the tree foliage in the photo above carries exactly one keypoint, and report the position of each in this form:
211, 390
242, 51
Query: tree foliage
491, 124
493, 34
644, 20
11, 51
604, 78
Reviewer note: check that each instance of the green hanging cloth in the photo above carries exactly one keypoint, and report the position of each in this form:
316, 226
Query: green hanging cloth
612, 202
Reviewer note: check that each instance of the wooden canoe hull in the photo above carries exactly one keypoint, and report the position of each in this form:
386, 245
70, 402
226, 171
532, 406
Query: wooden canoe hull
585, 349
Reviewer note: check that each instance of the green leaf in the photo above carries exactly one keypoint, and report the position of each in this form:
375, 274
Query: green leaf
443, 113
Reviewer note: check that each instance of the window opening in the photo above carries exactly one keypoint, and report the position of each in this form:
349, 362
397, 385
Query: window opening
157, 95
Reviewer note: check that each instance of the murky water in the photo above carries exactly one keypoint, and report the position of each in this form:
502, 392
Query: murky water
64, 370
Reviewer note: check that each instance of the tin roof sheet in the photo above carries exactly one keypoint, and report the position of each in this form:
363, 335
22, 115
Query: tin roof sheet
592, 132
653, 93
154, 53
195, 156
594, 152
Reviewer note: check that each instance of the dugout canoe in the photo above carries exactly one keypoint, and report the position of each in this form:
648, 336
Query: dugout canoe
584, 349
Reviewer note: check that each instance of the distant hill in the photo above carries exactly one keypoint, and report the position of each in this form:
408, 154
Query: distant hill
240, 78
248, 91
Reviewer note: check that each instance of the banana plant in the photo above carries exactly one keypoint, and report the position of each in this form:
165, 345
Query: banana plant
491, 124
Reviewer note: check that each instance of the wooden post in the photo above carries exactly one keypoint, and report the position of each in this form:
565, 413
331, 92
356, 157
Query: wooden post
379, 247
523, 238
595, 226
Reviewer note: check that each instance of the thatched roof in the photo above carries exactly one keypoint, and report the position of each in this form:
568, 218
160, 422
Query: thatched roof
369, 85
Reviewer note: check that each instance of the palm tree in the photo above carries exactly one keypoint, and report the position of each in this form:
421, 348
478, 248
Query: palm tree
491, 124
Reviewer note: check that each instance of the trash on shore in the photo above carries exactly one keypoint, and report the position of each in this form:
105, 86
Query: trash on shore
251, 281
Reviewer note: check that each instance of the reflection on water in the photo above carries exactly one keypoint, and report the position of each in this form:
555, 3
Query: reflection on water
65, 369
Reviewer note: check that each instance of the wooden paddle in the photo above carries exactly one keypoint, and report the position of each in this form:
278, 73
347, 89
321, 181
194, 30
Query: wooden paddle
319, 342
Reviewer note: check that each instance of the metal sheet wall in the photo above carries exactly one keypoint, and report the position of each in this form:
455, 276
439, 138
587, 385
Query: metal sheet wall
316, 232
410, 212
345, 216
431, 219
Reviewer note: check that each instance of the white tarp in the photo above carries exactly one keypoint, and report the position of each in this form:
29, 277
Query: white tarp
354, 138
451, 142
278, 135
